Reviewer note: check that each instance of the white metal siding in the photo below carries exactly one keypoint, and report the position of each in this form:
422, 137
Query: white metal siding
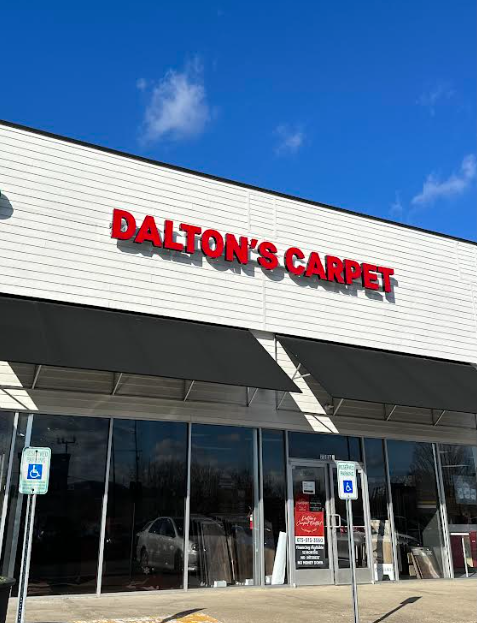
56, 207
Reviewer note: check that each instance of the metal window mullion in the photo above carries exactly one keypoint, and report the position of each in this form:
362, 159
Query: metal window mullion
185, 580
104, 510
391, 512
367, 509
261, 509
8, 478
443, 510
257, 524
288, 493
18, 507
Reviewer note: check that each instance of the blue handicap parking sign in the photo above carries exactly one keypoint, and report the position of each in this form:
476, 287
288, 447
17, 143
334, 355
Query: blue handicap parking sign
348, 486
35, 471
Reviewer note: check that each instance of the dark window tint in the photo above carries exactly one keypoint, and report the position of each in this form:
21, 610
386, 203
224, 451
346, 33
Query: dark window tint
416, 509
378, 505
6, 431
318, 446
144, 545
68, 518
222, 534
274, 497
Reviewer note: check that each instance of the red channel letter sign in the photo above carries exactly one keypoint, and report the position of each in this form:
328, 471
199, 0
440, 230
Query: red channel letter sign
233, 248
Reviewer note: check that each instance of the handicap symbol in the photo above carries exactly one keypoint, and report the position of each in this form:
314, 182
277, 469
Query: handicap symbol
35, 471
348, 486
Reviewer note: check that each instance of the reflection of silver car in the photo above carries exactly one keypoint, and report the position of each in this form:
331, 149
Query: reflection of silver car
160, 545
342, 543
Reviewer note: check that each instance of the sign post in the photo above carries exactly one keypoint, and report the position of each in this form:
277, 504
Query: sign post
34, 478
348, 490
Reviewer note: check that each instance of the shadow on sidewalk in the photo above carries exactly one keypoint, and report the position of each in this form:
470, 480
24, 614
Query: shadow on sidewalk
179, 615
406, 602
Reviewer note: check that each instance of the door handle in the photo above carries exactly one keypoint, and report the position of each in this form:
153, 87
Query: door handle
338, 525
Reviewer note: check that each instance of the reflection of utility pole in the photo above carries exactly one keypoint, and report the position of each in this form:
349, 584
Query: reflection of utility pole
66, 442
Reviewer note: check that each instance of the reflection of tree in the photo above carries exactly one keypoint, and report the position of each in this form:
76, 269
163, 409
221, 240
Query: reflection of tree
216, 491
414, 491
457, 461
423, 470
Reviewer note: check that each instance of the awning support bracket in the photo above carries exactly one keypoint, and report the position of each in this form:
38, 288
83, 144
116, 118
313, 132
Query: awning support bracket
392, 410
254, 393
36, 376
188, 389
297, 375
281, 400
439, 418
338, 406
117, 381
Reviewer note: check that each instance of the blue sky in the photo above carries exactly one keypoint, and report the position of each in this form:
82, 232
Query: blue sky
366, 105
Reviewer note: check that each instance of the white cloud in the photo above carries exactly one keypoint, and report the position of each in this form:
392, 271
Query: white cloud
141, 84
397, 209
434, 188
289, 139
439, 92
177, 107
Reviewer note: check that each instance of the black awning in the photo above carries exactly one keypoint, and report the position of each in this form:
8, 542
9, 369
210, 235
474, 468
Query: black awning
370, 375
74, 336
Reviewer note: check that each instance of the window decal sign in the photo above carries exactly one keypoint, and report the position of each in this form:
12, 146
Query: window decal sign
232, 248
309, 533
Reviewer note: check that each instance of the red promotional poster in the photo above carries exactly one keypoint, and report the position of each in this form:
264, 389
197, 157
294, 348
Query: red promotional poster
309, 524
310, 551
302, 503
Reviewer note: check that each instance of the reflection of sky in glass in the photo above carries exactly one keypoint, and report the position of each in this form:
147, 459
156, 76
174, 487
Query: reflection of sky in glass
227, 447
140, 445
273, 451
84, 439
409, 457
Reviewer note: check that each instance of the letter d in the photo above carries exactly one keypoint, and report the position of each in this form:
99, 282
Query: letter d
118, 217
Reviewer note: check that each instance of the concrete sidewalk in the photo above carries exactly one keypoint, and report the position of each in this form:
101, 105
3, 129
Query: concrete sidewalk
437, 601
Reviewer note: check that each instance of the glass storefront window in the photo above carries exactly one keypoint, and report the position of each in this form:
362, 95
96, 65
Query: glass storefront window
6, 431
274, 505
6, 515
460, 486
316, 446
416, 509
144, 541
378, 506
222, 507
67, 524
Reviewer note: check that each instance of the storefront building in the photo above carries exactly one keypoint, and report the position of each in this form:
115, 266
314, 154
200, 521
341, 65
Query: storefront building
198, 353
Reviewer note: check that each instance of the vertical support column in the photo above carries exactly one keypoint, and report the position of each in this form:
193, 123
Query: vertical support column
3, 516
104, 511
367, 511
256, 523
18, 509
185, 580
391, 513
288, 495
447, 553
261, 510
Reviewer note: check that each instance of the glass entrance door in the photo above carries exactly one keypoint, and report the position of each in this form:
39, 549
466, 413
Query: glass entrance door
310, 549
361, 533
